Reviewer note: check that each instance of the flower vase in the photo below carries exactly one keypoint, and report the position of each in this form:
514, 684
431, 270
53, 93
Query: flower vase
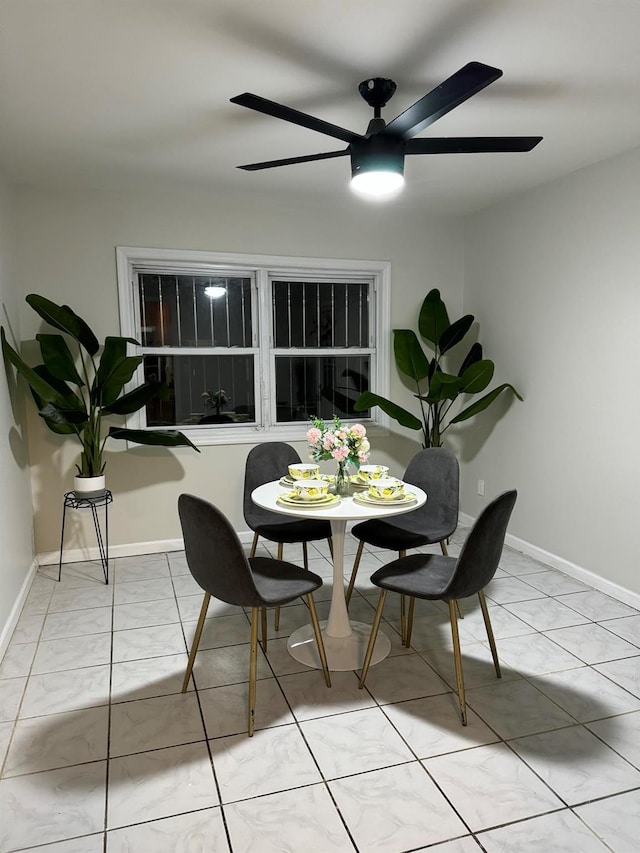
342, 480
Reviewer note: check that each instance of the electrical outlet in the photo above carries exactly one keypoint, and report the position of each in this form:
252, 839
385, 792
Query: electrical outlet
481, 488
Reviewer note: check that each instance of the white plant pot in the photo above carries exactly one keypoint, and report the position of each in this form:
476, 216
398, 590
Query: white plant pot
82, 485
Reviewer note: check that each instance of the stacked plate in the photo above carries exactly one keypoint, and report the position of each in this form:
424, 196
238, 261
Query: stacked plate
402, 499
292, 499
287, 481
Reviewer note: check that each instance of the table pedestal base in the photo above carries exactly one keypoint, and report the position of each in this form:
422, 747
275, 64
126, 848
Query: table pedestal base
343, 653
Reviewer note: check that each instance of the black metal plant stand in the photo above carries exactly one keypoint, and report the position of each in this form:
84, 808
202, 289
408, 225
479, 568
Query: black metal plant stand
74, 500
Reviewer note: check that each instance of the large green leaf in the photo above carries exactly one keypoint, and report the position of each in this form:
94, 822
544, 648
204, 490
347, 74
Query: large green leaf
136, 399
443, 386
474, 354
368, 400
410, 356
156, 438
71, 399
63, 318
455, 333
58, 358
115, 349
478, 376
43, 389
483, 403
60, 416
433, 318
116, 374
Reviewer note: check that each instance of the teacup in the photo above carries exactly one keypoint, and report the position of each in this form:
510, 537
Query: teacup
386, 489
372, 473
311, 490
304, 471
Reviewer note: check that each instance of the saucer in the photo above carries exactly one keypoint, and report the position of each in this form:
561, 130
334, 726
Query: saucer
288, 481
291, 499
404, 498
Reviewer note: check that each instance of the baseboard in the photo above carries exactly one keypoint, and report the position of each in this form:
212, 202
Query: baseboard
9, 626
620, 593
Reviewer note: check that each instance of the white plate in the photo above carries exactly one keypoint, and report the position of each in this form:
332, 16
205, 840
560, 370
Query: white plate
365, 498
288, 481
330, 500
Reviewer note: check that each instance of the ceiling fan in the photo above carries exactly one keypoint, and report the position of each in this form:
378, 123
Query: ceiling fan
377, 157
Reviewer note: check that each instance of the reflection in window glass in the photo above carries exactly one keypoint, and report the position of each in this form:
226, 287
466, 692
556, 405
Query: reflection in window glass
320, 385
320, 314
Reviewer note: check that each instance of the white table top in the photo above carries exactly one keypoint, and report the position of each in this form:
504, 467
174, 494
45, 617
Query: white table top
347, 510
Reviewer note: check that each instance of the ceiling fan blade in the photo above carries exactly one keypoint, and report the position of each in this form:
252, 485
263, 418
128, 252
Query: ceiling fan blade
466, 82
290, 161
270, 108
472, 144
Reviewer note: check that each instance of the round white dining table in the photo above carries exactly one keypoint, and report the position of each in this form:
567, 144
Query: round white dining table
345, 641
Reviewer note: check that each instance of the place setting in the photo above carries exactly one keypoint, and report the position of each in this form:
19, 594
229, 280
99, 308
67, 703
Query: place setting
384, 491
307, 487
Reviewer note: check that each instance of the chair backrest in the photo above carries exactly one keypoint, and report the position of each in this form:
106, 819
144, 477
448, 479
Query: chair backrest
482, 549
214, 553
436, 471
266, 462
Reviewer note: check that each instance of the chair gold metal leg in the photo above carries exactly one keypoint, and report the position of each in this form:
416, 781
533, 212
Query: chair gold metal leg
372, 637
254, 545
330, 541
305, 556
318, 635
196, 640
457, 657
276, 617
445, 553
487, 625
403, 608
354, 572
412, 605
253, 669
263, 619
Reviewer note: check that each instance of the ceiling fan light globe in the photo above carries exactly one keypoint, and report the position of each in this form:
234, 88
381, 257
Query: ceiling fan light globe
377, 183
214, 291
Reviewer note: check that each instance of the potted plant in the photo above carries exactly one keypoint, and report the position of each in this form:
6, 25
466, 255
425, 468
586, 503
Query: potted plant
74, 389
437, 389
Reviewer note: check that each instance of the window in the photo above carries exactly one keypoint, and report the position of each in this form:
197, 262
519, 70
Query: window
253, 344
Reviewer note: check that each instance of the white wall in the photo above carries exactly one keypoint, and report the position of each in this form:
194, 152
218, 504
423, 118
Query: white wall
553, 278
66, 251
16, 547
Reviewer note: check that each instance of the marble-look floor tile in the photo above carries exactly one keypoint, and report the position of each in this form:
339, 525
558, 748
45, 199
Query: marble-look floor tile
561, 832
591, 643
586, 694
37, 602
72, 653
309, 696
81, 599
503, 622
460, 845
17, 660
11, 692
149, 677
302, 819
147, 724
228, 665
506, 590
597, 606
189, 607
516, 563
433, 633
84, 844
576, 765
88, 573
395, 809
28, 628
127, 569
178, 563
186, 585
194, 832
220, 631
516, 708
477, 665
399, 678
514, 789
44, 807
160, 784
225, 708
139, 643
544, 614
149, 590
535, 654
58, 740
144, 614
432, 726
143, 559
354, 743
77, 623
621, 733
616, 820
55, 692
554, 583
281, 661
6, 730
628, 628
274, 759
625, 672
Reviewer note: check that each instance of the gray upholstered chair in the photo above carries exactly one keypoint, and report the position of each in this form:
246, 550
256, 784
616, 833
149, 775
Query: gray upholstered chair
440, 578
437, 472
219, 565
267, 462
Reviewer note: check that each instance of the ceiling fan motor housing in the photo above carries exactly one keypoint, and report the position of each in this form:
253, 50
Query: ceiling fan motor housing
377, 153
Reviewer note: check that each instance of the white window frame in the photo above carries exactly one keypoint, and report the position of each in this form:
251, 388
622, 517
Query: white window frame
263, 268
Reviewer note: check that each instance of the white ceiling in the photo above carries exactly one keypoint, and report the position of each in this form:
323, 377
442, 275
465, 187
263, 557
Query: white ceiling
133, 94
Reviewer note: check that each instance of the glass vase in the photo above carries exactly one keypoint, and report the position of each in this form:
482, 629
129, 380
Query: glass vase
342, 480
